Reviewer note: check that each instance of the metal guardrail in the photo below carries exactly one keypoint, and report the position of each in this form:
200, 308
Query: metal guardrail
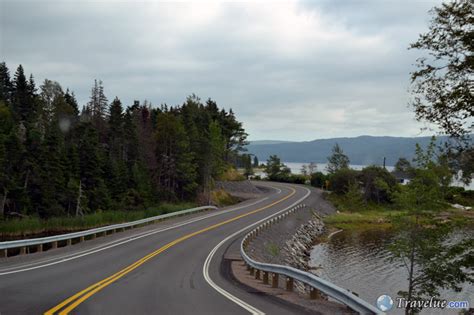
23, 244
316, 283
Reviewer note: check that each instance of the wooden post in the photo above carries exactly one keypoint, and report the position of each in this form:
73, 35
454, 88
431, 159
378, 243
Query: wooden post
289, 284
257, 274
265, 277
4, 253
314, 294
275, 280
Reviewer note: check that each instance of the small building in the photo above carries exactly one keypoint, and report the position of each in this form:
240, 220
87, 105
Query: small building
402, 177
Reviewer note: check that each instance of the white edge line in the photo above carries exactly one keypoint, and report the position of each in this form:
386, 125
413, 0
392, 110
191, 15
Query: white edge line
58, 260
205, 268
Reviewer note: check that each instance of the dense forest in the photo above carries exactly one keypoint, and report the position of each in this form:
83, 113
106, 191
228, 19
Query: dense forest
59, 159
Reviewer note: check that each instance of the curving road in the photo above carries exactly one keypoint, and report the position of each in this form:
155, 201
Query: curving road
174, 267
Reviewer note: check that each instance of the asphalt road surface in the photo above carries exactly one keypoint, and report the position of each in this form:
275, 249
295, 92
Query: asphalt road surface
173, 267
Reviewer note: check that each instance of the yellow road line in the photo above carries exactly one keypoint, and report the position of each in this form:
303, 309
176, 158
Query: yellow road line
83, 295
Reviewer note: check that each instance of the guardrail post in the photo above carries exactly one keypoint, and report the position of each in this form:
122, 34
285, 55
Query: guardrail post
54, 245
289, 284
314, 294
4, 253
252, 271
39, 248
248, 267
23, 250
81, 239
69, 242
274, 280
93, 236
257, 274
265, 277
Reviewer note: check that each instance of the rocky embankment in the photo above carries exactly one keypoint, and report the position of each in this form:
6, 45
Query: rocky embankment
240, 189
296, 251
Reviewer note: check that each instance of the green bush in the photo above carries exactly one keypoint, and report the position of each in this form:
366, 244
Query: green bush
318, 179
290, 178
339, 181
34, 225
378, 184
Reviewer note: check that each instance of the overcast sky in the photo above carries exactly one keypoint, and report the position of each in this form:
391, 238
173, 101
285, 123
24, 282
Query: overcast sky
291, 70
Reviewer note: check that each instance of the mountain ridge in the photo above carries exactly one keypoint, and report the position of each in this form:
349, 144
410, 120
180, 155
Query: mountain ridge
361, 150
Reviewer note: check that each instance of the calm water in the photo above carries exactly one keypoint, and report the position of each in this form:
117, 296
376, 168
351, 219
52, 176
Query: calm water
358, 261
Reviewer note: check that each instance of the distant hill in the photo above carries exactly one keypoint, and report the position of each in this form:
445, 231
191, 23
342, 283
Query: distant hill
260, 142
363, 150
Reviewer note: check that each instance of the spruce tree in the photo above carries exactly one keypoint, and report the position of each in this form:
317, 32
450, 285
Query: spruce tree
6, 87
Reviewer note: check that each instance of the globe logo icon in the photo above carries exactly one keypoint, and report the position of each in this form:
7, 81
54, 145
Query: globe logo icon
384, 303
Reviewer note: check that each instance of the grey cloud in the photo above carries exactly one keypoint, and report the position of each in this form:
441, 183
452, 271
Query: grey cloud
290, 70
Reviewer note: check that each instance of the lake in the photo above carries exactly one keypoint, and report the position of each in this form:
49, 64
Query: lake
360, 262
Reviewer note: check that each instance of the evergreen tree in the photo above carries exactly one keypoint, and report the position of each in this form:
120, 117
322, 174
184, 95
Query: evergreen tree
97, 107
176, 166
51, 197
91, 160
70, 98
216, 150
338, 160
275, 169
23, 101
116, 130
6, 87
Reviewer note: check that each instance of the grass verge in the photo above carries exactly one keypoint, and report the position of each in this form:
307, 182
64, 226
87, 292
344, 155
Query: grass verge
374, 216
35, 226
221, 198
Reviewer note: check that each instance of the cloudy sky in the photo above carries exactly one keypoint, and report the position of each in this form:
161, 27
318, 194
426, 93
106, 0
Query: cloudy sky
291, 70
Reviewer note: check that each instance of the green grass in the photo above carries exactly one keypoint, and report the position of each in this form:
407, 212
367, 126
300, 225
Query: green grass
272, 249
35, 225
362, 220
221, 198
379, 216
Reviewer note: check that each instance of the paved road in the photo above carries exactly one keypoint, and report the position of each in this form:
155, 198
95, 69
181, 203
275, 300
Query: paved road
163, 271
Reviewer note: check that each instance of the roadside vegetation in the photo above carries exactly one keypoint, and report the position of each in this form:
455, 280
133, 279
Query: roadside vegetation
16, 228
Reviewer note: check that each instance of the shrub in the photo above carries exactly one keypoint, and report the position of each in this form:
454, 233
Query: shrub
378, 184
339, 181
353, 199
231, 174
318, 179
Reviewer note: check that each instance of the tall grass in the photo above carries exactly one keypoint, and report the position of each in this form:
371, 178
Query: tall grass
35, 225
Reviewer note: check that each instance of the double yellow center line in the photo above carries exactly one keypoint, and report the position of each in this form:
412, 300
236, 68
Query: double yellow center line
72, 302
